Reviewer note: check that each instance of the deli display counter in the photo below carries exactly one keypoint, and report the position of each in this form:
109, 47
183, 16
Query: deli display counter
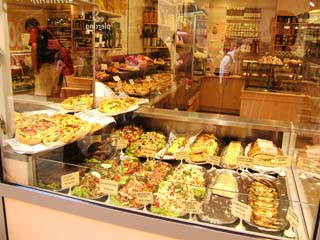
207, 174
124, 161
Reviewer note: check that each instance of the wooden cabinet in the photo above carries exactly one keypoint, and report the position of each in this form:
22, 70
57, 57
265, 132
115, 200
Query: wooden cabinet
231, 95
270, 105
222, 96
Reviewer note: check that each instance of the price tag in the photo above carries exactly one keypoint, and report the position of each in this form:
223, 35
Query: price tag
104, 67
283, 161
265, 163
148, 152
292, 218
148, 78
78, 107
192, 207
95, 138
241, 210
116, 64
245, 162
121, 144
117, 78
109, 187
308, 165
131, 81
182, 155
70, 180
215, 160
144, 197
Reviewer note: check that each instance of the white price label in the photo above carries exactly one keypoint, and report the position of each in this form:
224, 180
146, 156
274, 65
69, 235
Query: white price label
144, 197
121, 144
292, 218
182, 155
109, 187
283, 161
308, 165
70, 180
245, 162
104, 67
266, 163
148, 152
241, 210
78, 107
117, 78
192, 207
215, 160
131, 81
148, 78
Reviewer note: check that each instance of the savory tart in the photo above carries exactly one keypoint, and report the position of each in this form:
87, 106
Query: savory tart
204, 146
81, 102
112, 105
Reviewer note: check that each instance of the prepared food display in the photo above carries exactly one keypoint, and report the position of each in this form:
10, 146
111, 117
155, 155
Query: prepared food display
216, 205
118, 171
263, 152
273, 60
99, 152
117, 104
230, 154
185, 183
89, 187
127, 196
268, 211
152, 140
129, 134
81, 102
153, 172
205, 145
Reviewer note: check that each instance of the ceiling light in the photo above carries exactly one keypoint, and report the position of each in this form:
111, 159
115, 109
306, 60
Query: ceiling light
312, 4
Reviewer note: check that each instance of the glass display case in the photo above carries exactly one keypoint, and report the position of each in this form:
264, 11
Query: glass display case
116, 146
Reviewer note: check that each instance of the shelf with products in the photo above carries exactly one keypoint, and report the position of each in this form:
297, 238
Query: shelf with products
59, 22
243, 23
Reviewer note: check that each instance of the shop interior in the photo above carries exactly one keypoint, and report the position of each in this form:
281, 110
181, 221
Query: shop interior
226, 103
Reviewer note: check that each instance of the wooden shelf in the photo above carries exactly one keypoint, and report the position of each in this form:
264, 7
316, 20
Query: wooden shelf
108, 49
109, 14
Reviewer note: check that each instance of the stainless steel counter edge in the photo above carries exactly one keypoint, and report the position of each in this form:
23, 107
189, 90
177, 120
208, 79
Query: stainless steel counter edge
210, 118
127, 218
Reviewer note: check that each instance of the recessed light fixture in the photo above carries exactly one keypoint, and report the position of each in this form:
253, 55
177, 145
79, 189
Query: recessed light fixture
312, 4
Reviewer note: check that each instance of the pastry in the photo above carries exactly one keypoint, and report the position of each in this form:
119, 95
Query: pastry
231, 153
225, 185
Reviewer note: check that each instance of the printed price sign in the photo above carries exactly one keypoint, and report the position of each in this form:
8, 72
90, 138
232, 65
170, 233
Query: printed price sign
144, 197
192, 207
70, 180
182, 155
269, 163
78, 107
121, 144
131, 81
245, 162
117, 78
148, 152
241, 210
283, 161
292, 218
109, 187
148, 78
215, 160
104, 67
308, 165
